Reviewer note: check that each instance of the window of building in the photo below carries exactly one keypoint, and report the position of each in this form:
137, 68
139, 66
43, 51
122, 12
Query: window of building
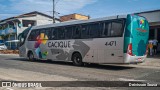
27, 23
12, 37
158, 35
151, 33
11, 25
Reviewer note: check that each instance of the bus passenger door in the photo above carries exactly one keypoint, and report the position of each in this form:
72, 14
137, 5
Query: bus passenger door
22, 51
22, 48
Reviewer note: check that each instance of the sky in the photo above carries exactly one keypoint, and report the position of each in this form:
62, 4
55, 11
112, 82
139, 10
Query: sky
93, 8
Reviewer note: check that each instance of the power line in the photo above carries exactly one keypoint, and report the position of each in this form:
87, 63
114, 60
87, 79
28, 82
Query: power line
57, 2
10, 13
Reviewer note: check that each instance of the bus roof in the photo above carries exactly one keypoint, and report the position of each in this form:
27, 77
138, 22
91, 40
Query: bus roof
78, 22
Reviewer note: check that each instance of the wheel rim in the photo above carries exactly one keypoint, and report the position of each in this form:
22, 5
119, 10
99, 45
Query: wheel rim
31, 56
77, 60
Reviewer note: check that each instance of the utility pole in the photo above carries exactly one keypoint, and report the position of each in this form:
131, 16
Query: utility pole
53, 11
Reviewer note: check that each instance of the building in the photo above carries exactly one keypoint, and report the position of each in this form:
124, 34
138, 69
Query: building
153, 18
74, 16
11, 27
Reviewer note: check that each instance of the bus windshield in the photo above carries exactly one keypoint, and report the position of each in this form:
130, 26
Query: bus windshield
136, 35
22, 36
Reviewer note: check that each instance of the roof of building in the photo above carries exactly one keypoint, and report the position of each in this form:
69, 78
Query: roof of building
150, 11
74, 14
34, 13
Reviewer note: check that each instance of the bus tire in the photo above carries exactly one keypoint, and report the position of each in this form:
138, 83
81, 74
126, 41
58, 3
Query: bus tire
77, 59
30, 56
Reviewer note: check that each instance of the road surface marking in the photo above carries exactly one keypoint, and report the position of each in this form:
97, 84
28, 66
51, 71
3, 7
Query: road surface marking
125, 79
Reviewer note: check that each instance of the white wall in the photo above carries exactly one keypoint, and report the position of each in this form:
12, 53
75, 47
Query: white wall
40, 20
152, 16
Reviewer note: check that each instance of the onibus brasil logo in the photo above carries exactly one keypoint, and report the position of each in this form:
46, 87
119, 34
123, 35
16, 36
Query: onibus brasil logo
41, 39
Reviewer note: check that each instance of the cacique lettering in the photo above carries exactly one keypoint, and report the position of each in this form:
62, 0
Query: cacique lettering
60, 44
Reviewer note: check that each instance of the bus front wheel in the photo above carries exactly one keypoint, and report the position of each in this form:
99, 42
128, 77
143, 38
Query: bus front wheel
77, 59
30, 56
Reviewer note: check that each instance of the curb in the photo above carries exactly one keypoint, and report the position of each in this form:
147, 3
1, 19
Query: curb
10, 54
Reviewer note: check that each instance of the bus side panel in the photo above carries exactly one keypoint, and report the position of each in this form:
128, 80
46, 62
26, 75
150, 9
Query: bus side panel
114, 50
92, 50
82, 46
105, 50
89, 57
101, 57
63, 49
57, 50
86, 50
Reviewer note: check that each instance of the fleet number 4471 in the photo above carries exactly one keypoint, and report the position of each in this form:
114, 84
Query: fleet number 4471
111, 43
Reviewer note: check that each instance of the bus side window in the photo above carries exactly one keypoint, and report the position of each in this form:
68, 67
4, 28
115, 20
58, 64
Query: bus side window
49, 33
42, 31
85, 31
109, 29
31, 36
68, 32
76, 32
61, 33
54, 32
94, 30
26, 33
37, 33
105, 32
116, 29
21, 39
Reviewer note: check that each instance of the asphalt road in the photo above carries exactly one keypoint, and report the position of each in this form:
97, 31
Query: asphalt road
20, 69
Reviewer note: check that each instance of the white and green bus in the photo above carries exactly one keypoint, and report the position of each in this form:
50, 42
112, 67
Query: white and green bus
110, 40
